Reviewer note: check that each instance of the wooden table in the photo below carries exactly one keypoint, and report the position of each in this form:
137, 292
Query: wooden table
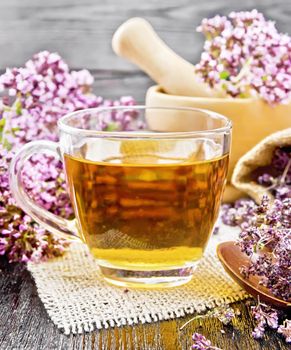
80, 31
24, 323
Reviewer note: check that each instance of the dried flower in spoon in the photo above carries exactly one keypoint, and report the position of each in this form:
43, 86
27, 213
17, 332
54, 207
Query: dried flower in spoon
266, 237
267, 240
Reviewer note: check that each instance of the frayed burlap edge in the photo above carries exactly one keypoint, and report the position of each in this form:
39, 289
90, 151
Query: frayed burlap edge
77, 299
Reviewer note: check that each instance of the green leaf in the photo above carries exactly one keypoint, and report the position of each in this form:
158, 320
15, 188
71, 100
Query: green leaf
112, 127
6, 108
7, 145
243, 95
15, 129
2, 126
2, 123
18, 107
224, 75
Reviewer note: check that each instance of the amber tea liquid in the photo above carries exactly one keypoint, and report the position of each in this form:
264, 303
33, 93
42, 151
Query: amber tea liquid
146, 217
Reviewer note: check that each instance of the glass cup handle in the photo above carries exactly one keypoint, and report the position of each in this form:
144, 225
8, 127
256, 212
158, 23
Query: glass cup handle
62, 227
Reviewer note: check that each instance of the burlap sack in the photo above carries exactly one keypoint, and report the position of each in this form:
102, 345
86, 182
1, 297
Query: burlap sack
258, 156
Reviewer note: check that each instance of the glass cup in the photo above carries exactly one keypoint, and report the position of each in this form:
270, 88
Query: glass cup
145, 201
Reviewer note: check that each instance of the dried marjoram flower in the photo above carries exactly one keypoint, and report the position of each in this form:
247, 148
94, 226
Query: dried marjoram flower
278, 178
224, 313
239, 213
285, 330
266, 237
201, 343
268, 241
264, 316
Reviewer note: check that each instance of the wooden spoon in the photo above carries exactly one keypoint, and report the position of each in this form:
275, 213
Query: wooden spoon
232, 259
137, 41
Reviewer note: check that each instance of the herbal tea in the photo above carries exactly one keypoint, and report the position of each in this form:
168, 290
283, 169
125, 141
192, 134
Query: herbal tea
146, 216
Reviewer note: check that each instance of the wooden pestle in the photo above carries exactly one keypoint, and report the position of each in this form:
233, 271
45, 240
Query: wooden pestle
137, 41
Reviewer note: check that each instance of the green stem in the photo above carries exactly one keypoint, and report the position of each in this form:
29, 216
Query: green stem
285, 172
6, 128
244, 71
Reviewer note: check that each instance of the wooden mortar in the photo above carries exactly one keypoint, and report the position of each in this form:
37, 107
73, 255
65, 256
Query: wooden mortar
179, 86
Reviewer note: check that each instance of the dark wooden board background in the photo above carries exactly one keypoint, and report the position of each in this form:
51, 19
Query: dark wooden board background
24, 324
81, 31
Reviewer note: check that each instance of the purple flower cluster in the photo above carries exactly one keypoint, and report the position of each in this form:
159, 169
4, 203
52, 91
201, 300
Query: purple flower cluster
276, 178
264, 316
202, 343
35, 97
21, 239
285, 330
43, 91
238, 213
245, 55
267, 239
44, 180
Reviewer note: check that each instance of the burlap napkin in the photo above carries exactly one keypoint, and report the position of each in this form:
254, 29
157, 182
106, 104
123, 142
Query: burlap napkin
258, 156
77, 299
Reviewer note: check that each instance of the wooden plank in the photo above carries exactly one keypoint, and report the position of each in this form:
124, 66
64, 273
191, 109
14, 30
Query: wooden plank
81, 31
24, 324
119, 83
